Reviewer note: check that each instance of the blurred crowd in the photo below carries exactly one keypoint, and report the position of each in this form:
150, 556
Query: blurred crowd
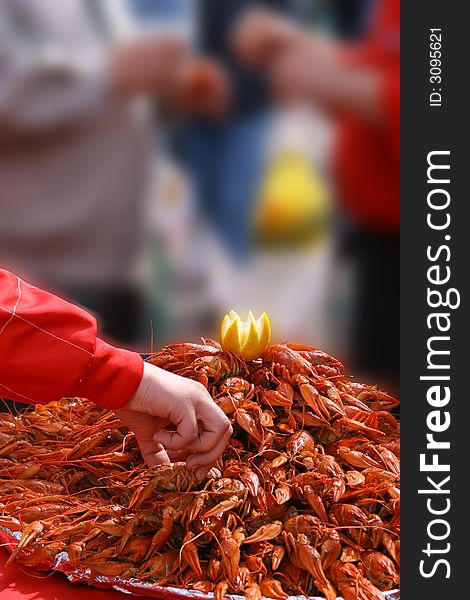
165, 161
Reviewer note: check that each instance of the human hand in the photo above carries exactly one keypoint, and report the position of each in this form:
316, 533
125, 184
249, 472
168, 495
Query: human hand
146, 65
200, 87
313, 72
261, 35
163, 399
301, 73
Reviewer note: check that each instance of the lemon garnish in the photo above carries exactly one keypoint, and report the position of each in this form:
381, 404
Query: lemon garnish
248, 338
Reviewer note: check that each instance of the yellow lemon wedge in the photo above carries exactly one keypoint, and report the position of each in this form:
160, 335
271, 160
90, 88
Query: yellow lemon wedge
248, 338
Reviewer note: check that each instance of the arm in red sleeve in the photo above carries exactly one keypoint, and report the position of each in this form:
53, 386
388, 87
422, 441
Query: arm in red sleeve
49, 350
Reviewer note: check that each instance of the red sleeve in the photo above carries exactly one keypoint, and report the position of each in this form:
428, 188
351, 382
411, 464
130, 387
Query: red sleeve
49, 350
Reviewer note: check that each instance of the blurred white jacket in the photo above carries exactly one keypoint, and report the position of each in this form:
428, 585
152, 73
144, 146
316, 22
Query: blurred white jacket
73, 158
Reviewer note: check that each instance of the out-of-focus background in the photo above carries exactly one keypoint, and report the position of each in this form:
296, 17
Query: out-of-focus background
161, 220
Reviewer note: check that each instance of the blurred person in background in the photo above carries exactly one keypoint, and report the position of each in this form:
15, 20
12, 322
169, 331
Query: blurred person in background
75, 147
359, 85
226, 159
235, 164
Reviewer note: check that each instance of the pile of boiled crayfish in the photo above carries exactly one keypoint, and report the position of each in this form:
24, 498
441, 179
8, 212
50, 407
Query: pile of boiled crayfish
304, 501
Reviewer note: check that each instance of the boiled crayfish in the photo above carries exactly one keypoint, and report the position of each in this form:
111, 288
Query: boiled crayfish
305, 499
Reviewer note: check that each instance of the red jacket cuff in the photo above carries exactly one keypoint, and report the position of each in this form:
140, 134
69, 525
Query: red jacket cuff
113, 376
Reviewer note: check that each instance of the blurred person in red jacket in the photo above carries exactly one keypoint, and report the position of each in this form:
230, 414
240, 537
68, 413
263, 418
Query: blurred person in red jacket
360, 84
49, 350
76, 149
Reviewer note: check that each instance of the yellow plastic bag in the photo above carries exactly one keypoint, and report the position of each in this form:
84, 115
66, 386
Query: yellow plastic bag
294, 204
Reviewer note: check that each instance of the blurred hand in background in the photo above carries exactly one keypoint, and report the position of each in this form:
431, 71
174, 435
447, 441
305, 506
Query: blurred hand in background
309, 72
304, 64
163, 66
201, 88
260, 35
146, 65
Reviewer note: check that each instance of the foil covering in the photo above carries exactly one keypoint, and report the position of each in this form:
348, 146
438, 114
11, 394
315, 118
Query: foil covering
133, 587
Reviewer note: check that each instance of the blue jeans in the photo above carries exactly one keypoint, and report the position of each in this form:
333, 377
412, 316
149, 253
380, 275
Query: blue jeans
227, 162
158, 9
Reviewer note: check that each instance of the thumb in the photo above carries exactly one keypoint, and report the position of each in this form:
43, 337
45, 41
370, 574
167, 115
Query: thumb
152, 452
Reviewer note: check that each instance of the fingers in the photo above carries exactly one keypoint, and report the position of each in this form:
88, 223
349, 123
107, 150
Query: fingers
201, 473
202, 428
286, 78
144, 426
202, 432
153, 453
201, 459
213, 437
199, 429
213, 425
185, 435
161, 456
202, 87
260, 35
178, 455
